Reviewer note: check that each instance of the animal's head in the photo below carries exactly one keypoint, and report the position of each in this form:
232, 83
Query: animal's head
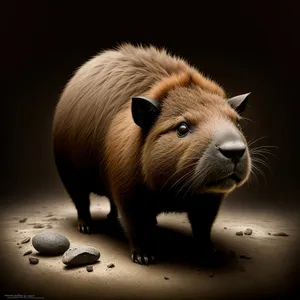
194, 143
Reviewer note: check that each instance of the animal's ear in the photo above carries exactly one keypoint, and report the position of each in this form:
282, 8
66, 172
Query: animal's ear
239, 103
144, 111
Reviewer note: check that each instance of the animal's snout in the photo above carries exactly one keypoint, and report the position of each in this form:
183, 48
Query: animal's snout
233, 150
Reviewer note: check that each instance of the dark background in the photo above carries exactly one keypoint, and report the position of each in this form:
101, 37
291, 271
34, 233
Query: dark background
246, 46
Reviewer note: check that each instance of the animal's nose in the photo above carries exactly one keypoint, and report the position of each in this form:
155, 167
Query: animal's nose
232, 150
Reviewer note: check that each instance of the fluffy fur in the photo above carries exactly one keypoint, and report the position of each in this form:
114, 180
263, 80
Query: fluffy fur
98, 147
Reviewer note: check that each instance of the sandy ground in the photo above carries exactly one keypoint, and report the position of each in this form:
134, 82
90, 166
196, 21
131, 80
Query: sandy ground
269, 272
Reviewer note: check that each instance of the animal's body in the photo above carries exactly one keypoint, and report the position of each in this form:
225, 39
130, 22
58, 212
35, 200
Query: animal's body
151, 133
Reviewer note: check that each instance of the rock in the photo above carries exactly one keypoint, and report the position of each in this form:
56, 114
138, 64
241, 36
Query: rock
232, 253
225, 227
23, 220
246, 256
239, 233
25, 240
38, 225
80, 255
89, 268
50, 243
269, 233
280, 234
248, 231
27, 252
33, 260
111, 266
18, 243
16, 230
20, 247
166, 278
54, 219
49, 226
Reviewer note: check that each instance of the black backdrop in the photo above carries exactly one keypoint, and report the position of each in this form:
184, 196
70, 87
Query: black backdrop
246, 46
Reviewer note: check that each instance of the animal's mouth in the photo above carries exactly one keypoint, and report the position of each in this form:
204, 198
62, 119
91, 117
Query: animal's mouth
231, 179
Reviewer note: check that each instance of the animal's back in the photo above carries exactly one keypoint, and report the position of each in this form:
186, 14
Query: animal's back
94, 95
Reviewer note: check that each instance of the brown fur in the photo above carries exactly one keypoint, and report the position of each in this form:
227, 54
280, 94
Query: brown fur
98, 147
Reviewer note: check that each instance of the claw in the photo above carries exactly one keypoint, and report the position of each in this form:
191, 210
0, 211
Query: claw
146, 260
83, 228
142, 259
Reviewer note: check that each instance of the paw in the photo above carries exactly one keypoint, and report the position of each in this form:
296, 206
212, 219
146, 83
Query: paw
142, 258
84, 226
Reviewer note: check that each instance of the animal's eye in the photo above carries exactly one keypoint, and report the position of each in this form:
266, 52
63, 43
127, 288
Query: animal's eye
182, 130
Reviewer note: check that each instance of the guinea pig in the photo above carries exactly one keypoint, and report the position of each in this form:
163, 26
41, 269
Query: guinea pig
151, 133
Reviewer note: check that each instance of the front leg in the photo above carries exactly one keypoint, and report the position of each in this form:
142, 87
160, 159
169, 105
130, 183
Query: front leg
201, 214
139, 221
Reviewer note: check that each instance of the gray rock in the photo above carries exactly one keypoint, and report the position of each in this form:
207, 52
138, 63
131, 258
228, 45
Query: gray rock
80, 255
111, 266
23, 220
33, 260
50, 243
239, 233
248, 231
27, 252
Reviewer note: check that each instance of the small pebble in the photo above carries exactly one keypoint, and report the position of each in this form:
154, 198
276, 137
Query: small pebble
248, 231
23, 220
166, 278
232, 253
280, 234
39, 226
18, 243
241, 268
33, 260
225, 227
49, 226
239, 233
246, 256
27, 252
54, 219
25, 240
20, 247
111, 266
89, 268
16, 230
269, 233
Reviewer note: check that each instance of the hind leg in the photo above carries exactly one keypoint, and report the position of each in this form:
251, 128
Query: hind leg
113, 214
84, 219
78, 191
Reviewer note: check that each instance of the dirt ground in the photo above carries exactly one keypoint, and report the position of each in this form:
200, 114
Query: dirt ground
268, 273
